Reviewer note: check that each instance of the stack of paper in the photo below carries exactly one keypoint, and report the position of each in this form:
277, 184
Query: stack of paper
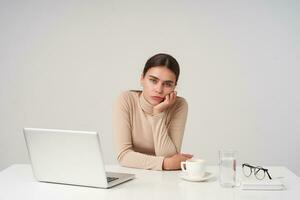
262, 185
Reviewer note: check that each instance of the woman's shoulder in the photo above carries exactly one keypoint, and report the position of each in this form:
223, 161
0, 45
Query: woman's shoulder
181, 100
180, 103
129, 96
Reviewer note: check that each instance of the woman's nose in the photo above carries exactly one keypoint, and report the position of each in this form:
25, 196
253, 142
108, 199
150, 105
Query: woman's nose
159, 88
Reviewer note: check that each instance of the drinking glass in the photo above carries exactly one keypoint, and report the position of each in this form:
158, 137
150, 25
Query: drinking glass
227, 168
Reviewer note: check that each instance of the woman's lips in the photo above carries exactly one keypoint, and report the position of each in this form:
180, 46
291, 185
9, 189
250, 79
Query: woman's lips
156, 98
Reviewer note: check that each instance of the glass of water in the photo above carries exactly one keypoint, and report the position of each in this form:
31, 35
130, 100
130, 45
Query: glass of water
227, 168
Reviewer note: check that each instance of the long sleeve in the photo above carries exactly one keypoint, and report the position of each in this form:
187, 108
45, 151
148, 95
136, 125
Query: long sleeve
122, 128
168, 137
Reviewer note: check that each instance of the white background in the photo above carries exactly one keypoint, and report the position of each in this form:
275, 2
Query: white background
63, 63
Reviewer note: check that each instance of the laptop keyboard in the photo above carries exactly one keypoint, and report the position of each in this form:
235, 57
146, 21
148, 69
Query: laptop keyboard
110, 179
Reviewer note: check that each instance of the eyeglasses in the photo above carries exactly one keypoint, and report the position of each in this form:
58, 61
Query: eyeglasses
259, 172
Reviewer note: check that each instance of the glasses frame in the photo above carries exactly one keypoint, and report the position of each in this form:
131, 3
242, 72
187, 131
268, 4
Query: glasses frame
256, 169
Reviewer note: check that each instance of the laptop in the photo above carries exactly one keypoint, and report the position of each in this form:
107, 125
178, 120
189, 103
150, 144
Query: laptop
69, 157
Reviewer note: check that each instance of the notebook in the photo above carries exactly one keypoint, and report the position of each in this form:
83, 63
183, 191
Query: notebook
69, 157
262, 185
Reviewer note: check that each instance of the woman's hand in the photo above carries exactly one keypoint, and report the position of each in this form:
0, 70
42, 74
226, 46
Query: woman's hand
174, 162
166, 103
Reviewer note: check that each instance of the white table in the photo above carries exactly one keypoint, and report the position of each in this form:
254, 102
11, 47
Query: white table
17, 182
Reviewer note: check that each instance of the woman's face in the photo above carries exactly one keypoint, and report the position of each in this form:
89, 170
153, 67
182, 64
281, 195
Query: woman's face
157, 83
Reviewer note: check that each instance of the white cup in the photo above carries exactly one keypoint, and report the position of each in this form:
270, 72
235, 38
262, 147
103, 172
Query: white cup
195, 168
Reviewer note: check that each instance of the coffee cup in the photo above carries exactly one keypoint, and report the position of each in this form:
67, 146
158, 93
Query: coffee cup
195, 168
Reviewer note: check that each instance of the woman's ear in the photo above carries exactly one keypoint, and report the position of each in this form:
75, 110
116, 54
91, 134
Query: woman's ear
142, 80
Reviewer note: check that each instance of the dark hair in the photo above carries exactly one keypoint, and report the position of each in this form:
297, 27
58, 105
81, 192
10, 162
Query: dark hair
163, 60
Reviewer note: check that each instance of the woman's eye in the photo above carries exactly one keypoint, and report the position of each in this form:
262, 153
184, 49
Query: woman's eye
168, 84
153, 80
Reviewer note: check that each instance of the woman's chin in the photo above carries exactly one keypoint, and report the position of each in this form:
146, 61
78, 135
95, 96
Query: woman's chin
155, 103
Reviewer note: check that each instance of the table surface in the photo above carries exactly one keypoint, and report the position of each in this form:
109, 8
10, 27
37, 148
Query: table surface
17, 182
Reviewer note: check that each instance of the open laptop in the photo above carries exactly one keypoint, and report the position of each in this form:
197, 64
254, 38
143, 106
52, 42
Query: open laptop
69, 157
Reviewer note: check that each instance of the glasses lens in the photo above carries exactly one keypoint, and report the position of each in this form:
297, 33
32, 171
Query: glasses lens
260, 174
247, 171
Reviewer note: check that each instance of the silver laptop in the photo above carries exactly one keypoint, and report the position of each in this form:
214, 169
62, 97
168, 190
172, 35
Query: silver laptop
69, 157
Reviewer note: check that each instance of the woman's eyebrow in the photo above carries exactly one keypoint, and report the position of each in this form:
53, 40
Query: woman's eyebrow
169, 81
166, 81
151, 76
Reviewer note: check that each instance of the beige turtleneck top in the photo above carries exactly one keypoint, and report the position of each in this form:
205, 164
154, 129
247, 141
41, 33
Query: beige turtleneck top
143, 140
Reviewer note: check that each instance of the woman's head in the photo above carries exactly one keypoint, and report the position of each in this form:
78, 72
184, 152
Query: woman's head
159, 77
163, 60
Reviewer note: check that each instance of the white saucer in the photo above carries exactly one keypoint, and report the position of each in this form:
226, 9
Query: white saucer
184, 176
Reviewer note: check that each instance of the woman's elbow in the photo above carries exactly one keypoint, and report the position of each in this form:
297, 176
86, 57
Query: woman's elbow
122, 160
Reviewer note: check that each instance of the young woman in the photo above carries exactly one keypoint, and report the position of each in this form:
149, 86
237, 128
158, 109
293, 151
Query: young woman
148, 125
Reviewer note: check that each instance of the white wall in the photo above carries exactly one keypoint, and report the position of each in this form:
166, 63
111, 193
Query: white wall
62, 63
